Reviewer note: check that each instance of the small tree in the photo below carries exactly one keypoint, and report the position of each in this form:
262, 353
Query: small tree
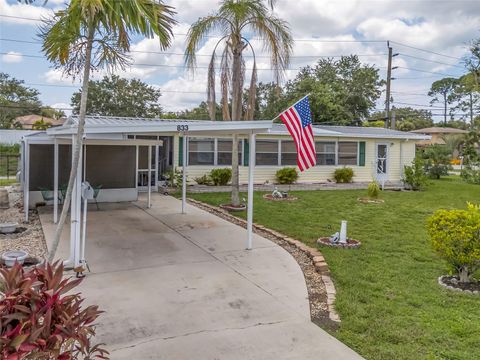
455, 236
414, 177
40, 321
437, 160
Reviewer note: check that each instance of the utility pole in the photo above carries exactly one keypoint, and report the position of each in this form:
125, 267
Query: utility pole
389, 79
393, 125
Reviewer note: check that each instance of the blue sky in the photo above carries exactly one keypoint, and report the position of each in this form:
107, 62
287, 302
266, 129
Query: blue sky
321, 27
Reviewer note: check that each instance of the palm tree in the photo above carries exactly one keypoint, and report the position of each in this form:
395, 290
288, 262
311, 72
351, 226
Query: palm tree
235, 20
93, 34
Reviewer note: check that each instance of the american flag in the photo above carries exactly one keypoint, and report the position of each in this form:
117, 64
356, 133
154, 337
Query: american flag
298, 120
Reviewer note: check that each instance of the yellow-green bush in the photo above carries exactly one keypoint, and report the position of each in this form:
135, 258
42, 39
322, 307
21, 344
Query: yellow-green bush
343, 175
455, 236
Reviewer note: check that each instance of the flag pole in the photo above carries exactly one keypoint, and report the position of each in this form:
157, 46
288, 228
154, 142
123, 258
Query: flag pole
276, 117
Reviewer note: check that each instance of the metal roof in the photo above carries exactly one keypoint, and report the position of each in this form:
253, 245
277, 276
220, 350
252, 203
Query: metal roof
353, 132
128, 125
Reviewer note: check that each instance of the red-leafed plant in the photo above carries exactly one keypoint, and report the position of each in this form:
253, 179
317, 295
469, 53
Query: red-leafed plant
39, 320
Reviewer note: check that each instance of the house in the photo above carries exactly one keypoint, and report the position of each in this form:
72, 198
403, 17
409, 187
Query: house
129, 155
437, 135
33, 121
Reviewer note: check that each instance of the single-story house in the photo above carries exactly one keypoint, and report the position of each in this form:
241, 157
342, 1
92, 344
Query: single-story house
28, 122
437, 135
117, 154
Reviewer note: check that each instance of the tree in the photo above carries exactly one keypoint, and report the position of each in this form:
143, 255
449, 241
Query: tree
235, 20
341, 91
93, 34
443, 91
437, 160
467, 96
16, 100
116, 96
407, 118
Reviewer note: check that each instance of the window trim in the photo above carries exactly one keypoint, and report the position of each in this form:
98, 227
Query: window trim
279, 155
215, 151
358, 152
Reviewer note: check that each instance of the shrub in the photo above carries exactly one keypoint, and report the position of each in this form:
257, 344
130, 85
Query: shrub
287, 175
437, 160
203, 180
373, 190
343, 175
221, 176
414, 177
470, 175
455, 236
174, 178
38, 319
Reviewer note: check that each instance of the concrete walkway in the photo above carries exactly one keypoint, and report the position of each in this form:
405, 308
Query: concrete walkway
182, 287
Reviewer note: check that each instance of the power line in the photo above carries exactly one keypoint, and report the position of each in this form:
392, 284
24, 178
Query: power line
428, 60
217, 37
207, 55
412, 104
425, 71
424, 50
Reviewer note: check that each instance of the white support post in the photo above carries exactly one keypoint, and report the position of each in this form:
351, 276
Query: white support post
26, 180
85, 210
251, 167
184, 175
78, 210
149, 202
136, 168
55, 182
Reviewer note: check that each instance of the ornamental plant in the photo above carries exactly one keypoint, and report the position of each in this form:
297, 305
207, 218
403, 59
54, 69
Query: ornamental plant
414, 177
287, 175
373, 190
39, 320
343, 175
221, 176
455, 236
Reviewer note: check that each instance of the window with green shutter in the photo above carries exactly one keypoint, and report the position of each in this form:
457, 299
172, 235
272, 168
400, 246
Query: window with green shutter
246, 152
361, 153
180, 151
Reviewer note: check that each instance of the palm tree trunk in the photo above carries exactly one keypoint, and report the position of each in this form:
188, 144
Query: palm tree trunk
445, 109
78, 146
237, 88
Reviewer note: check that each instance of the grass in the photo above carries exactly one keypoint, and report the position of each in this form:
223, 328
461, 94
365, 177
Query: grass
7, 182
387, 293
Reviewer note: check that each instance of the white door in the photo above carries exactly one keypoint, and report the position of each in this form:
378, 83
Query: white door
381, 163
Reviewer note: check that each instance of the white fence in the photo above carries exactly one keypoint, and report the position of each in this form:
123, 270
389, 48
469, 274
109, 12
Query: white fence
10, 137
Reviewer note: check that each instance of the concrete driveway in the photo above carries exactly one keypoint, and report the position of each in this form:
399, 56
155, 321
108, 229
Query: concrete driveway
182, 287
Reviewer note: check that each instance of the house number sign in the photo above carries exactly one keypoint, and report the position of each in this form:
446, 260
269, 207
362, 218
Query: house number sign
182, 127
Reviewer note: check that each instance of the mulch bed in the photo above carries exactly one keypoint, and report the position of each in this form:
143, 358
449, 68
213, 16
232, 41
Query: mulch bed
366, 200
271, 198
351, 243
451, 282
319, 311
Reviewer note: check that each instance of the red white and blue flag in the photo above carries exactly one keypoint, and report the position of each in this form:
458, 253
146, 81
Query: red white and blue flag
298, 120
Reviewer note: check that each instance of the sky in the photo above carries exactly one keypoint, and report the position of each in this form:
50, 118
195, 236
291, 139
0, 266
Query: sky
429, 36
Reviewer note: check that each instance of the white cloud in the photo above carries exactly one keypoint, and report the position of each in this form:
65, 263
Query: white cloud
12, 57
17, 11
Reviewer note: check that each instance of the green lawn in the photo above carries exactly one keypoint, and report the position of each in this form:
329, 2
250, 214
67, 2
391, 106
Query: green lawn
6, 182
387, 293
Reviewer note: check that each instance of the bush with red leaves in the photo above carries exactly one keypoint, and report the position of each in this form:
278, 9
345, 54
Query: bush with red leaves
39, 320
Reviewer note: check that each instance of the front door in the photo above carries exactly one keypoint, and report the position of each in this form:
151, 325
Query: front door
142, 170
382, 162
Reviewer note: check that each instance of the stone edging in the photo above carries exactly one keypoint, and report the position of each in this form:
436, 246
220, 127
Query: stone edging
314, 254
441, 283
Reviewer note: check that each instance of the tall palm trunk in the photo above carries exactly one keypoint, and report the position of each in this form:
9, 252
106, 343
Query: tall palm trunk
78, 144
237, 88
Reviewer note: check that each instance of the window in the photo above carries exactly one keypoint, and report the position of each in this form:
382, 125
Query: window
325, 152
224, 152
289, 153
201, 151
266, 152
347, 153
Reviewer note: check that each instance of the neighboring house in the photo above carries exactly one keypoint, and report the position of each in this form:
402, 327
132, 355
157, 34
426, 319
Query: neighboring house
437, 135
33, 121
117, 153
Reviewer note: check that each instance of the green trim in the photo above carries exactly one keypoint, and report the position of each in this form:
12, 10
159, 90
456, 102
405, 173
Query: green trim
361, 155
246, 152
180, 151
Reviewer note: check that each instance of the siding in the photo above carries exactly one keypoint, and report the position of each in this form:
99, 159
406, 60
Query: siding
323, 173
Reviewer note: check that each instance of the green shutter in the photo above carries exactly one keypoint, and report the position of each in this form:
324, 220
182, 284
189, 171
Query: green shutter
180, 151
361, 157
246, 152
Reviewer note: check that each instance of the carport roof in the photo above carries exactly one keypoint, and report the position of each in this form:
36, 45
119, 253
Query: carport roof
129, 125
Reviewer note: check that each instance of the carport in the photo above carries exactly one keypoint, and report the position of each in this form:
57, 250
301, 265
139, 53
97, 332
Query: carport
122, 131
